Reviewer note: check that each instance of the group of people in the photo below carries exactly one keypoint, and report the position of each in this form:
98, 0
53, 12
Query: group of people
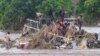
61, 15
64, 26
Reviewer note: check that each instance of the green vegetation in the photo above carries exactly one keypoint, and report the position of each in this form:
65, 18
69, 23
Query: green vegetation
90, 9
14, 12
55, 5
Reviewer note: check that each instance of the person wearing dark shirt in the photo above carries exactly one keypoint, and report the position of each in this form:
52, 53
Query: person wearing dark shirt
50, 14
61, 14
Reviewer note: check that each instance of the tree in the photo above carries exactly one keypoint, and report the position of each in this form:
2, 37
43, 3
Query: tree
80, 6
92, 10
55, 5
13, 12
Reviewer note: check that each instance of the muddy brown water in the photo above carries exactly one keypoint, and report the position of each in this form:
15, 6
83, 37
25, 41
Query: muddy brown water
17, 35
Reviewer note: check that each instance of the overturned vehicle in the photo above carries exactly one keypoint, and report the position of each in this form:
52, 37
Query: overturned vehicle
54, 35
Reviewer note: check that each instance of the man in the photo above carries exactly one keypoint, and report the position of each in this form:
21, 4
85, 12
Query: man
61, 23
78, 23
62, 14
62, 26
50, 13
8, 40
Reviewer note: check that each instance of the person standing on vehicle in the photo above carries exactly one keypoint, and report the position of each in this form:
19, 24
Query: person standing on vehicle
62, 26
50, 14
62, 14
78, 23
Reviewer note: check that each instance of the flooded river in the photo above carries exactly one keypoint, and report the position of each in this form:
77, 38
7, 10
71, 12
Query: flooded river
93, 30
17, 35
